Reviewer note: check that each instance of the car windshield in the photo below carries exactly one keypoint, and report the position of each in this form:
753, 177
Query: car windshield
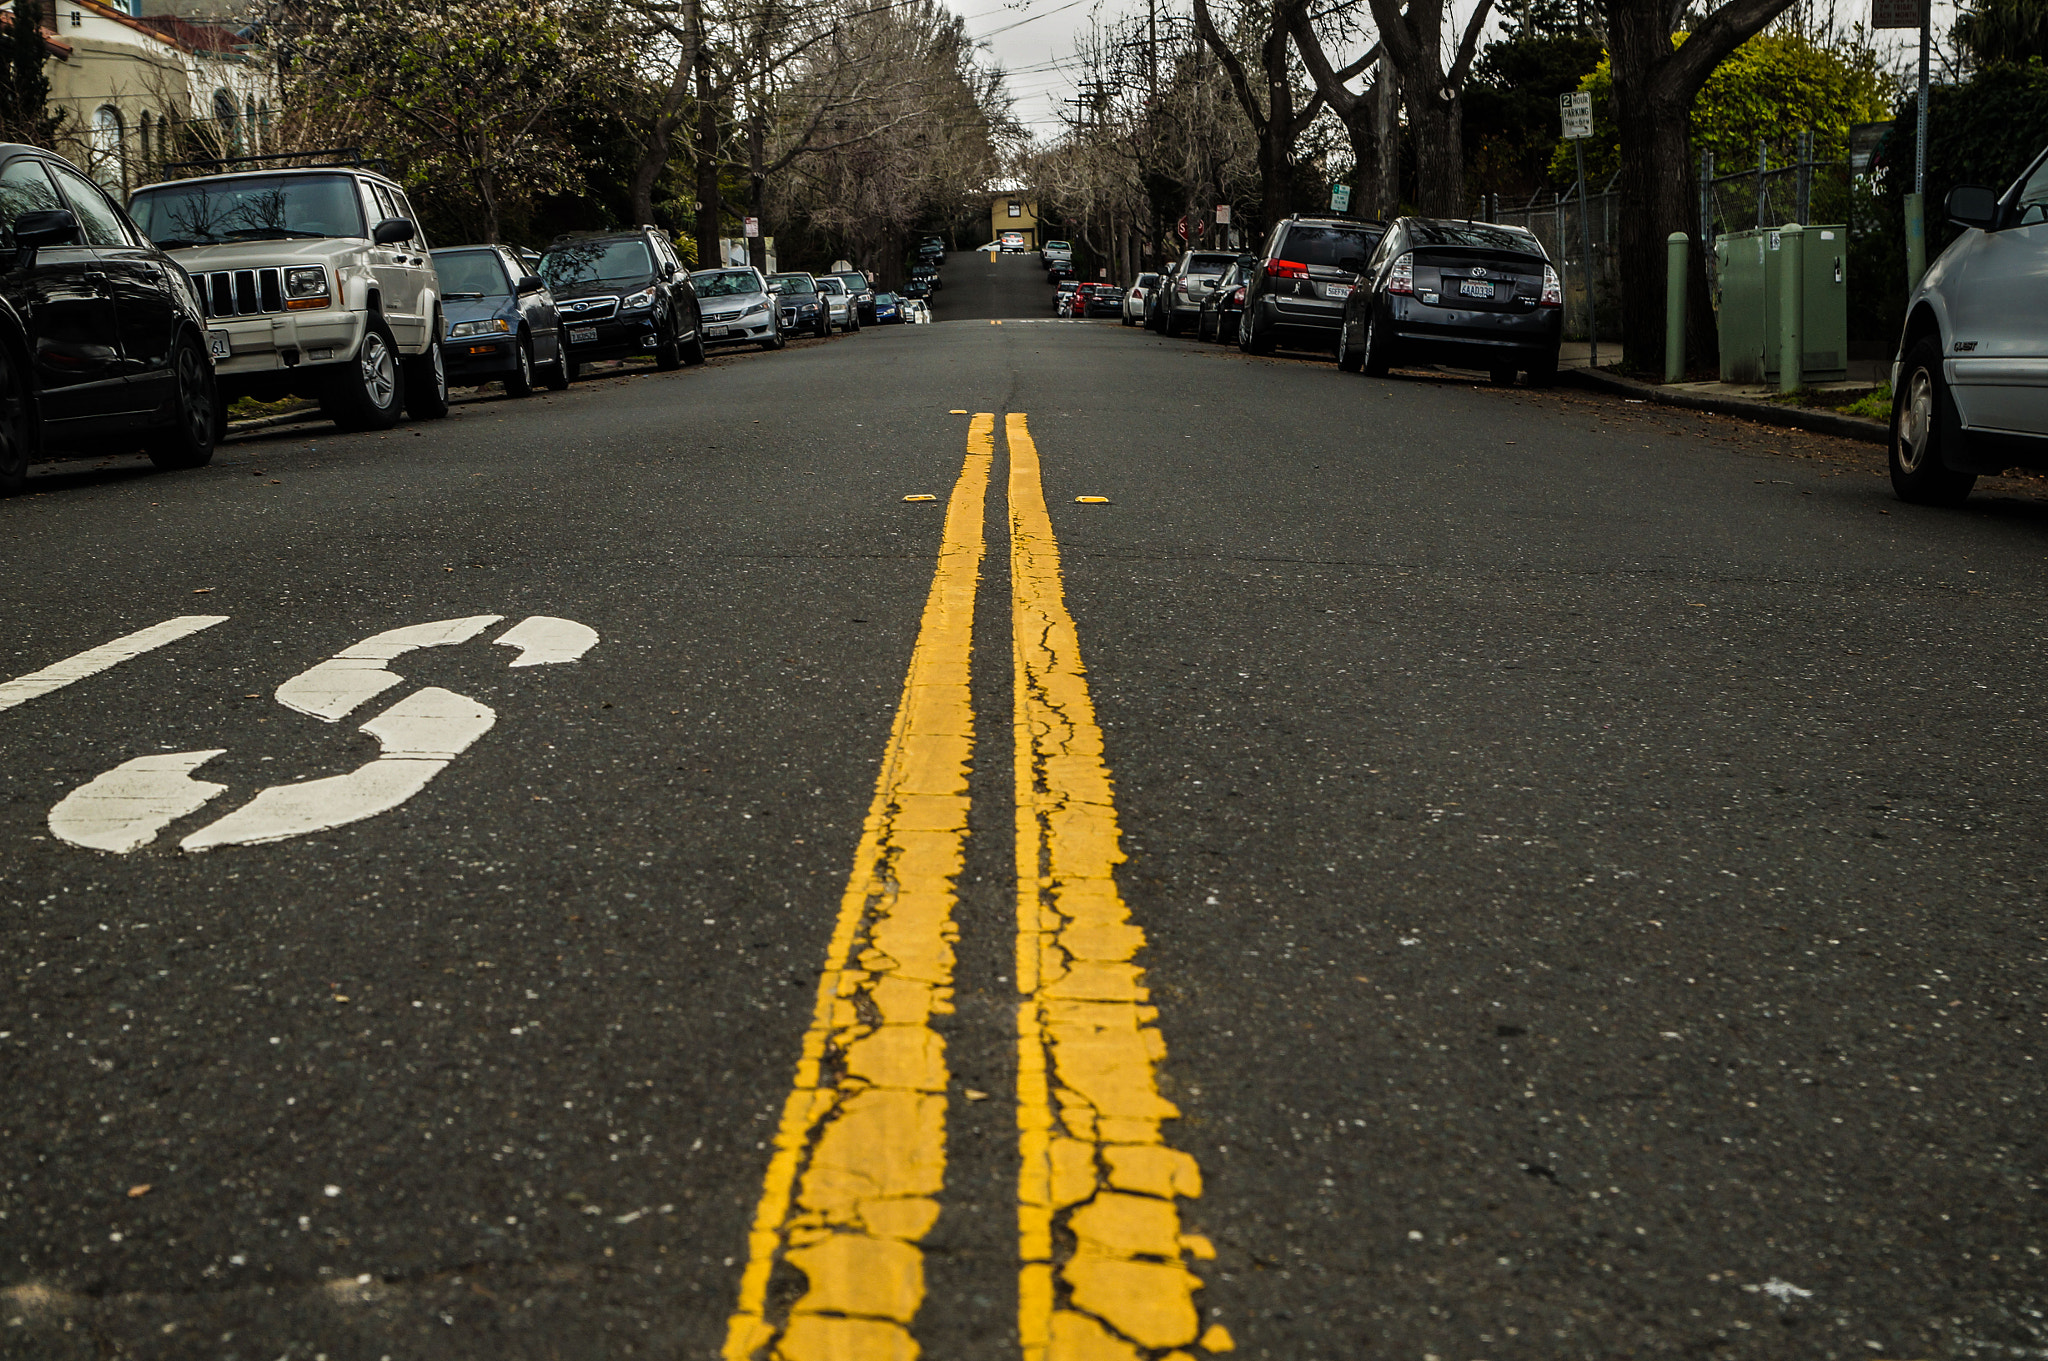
1422, 232
725, 283
792, 283
596, 262
1210, 264
830, 284
251, 208
854, 282
475, 272
1329, 246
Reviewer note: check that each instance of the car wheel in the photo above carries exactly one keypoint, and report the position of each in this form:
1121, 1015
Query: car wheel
1924, 429
187, 442
824, 327
1349, 357
1501, 376
1169, 323
368, 392
17, 426
1127, 320
426, 380
668, 354
1378, 356
693, 348
774, 340
571, 370
853, 323
520, 384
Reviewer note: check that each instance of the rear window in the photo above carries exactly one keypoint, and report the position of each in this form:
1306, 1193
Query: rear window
1422, 232
1146, 281
1329, 246
1211, 264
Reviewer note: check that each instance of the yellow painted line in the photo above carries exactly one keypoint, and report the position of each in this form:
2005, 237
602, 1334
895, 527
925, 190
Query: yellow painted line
1096, 1171
860, 1155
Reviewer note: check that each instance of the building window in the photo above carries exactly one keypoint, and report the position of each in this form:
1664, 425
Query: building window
108, 160
1016, 208
225, 129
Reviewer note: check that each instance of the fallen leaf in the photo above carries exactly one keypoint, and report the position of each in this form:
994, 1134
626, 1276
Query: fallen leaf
137, 1192
201, 590
973, 1095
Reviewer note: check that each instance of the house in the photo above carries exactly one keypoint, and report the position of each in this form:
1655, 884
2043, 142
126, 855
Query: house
137, 92
1010, 211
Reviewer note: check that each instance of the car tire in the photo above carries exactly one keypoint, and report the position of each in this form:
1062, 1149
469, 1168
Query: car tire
1250, 341
426, 380
823, 329
1925, 429
1170, 324
853, 323
1128, 321
520, 384
774, 341
693, 348
1501, 377
187, 442
368, 392
1350, 358
668, 353
17, 425
1379, 352
571, 370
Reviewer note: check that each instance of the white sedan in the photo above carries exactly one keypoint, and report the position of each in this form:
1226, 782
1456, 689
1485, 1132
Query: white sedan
1134, 299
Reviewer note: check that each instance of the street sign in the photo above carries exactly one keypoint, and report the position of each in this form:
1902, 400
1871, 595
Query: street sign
1577, 110
1223, 215
753, 226
1895, 13
1340, 198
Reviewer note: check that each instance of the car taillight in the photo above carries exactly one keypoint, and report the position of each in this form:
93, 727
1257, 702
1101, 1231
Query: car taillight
1401, 278
1181, 286
1237, 295
1553, 291
1285, 269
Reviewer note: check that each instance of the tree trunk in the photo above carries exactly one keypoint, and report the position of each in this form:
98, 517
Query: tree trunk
1387, 103
1437, 124
653, 160
710, 203
757, 245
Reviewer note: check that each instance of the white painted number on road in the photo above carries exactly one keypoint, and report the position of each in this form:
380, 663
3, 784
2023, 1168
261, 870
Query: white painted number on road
124, 809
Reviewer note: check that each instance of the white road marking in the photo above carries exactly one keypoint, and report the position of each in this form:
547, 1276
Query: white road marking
98, 659
420, 735
125, 808
542, 640
357, 674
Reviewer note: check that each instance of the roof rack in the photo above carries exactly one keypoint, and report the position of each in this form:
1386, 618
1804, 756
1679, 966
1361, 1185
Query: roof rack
349, 156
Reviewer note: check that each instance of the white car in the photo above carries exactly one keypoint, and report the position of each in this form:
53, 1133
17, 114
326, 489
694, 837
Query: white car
1135, 296
1057, 250
843, 312
1013, 243
1970, 385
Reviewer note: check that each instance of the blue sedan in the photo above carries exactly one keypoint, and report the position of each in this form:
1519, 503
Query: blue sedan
501, 322
888, 309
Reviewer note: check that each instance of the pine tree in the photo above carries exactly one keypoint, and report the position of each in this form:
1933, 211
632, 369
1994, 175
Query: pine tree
24, 88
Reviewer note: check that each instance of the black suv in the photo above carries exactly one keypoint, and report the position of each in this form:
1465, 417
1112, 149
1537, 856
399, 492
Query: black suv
622, 293
1296, 295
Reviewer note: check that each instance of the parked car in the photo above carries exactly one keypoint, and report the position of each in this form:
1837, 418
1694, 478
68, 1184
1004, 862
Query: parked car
621, 293
1199, 270
1473, 294
916, 312
502, 324
929, 274
1134, 299
739, 308
803, 305
888, 309
1970, 384
919, 289
932, 248
1057, 250
316, 282
102, 336
1296, 294
1225, 303
1012, 242
862, 290
1099, 300
1063, 298
839, 298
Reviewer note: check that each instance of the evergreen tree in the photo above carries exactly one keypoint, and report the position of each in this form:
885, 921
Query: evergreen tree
24, 88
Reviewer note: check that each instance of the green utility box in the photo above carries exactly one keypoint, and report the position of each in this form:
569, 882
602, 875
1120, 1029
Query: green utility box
1748, 319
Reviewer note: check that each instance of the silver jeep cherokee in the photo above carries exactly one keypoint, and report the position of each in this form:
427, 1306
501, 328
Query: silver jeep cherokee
317, 283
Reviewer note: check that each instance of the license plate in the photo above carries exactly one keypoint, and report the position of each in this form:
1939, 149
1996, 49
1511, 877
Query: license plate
1475, 288
217, 341
583, 335
716, 331
1337, 290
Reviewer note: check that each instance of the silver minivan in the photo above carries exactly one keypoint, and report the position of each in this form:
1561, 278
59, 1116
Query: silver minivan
1970, 385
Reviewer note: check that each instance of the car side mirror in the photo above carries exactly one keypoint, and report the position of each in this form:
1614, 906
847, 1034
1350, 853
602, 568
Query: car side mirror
42, 228
530, 283
1973, 205
393, 230
668, 269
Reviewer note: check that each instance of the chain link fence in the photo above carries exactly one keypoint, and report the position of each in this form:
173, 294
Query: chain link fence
1584, 247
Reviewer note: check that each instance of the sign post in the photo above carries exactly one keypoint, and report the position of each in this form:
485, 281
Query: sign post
1340, 198
1576, 109
1912, 14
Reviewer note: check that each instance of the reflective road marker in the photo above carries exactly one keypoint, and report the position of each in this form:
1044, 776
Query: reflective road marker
860, 1155
96, 660
1089, 1112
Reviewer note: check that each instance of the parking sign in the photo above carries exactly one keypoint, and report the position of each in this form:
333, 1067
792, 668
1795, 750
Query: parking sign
1577, 109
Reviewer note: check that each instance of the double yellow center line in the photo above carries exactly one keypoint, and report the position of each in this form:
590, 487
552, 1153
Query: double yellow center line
834, 1269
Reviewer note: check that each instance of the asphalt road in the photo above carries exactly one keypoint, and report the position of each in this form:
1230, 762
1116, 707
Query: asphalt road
1587, 861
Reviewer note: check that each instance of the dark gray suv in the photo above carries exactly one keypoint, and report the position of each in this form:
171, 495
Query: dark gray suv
1295, 296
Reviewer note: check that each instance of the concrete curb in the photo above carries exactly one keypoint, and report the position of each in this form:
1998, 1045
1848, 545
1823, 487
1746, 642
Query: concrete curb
311, 413
1768, 413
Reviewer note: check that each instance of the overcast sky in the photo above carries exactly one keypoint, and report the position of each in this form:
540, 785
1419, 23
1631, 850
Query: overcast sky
1035, 41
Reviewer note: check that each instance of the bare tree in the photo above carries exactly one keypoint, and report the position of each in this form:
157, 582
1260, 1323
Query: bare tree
1276, 121
1413, 37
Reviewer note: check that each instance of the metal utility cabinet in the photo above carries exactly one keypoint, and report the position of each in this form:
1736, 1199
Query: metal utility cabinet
1748, 319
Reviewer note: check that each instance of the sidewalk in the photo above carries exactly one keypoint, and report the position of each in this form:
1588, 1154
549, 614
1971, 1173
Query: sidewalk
1750, 401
